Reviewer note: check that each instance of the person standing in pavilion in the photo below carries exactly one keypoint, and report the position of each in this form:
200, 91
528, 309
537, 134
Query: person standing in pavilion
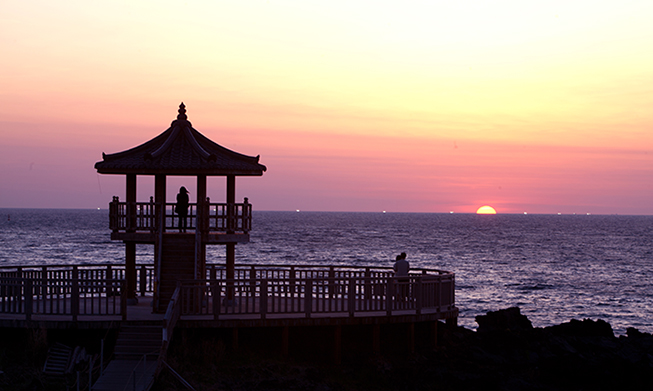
182, 208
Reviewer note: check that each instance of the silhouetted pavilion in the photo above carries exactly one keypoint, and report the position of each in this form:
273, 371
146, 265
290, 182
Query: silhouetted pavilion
180, 151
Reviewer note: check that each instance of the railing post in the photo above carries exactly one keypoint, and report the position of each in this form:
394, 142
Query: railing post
74, 294
368, 285
308, 297
389, 296
263, 298
351, 296
114, 219
216, 296
28, 298
143, 280
252, 281
44, 285
109, 282
332, 283
151, 215
247, 216
123, 299
417, 293
292, 284
440, 285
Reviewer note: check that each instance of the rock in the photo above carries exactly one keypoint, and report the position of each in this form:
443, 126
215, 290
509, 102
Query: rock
632, 332
509, 319
584, 328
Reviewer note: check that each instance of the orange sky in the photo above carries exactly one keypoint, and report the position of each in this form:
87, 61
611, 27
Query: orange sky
433, 106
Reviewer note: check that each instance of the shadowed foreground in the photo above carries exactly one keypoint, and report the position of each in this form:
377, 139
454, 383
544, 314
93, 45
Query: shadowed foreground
506, 353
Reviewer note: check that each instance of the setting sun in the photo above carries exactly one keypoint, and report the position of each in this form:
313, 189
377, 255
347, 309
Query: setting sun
486, 210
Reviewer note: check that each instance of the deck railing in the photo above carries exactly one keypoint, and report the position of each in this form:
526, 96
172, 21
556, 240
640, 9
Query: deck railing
57, 274
141, 216
263, 290
73, 297
313, 292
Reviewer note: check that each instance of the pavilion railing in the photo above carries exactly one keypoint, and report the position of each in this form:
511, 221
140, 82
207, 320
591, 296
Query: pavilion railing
141, 216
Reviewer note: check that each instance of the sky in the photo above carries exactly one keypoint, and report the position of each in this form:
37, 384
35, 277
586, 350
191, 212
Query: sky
398, 106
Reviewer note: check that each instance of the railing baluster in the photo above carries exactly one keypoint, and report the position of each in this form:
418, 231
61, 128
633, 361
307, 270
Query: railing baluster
28, 299
263, 299
74, 295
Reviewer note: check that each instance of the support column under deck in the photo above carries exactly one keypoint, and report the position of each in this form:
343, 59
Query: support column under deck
231, 247
130, 272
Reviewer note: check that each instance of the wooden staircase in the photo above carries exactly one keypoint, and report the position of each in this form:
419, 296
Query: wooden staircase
135, 360
58, 360
177, 263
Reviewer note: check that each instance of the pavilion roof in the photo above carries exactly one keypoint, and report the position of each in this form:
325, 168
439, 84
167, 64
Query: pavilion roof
180, 150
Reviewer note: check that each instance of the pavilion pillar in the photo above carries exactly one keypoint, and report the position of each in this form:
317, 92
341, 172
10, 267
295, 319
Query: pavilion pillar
130, 247
231, 200
131, 202
201, 226
159, 213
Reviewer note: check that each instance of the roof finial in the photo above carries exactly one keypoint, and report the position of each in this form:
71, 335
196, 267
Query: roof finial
182, 112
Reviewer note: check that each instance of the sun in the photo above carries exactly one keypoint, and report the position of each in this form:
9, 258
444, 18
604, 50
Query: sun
486, 210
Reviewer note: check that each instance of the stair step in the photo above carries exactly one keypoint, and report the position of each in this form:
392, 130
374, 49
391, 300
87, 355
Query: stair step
57, 360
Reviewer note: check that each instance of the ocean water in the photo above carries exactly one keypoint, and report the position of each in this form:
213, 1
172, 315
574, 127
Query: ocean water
554, 267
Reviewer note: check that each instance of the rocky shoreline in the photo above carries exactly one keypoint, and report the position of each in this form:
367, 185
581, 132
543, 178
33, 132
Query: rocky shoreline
505, 353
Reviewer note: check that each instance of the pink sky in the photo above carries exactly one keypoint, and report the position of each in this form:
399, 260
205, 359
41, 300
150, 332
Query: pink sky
542, 107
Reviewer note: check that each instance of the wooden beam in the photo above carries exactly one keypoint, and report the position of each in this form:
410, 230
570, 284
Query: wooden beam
376, 339
201, 225
337, 344
284, 341
160, 209
131, 202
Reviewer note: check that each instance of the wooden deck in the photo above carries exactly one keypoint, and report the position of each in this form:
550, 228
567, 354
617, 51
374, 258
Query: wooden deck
141, 313
259, 295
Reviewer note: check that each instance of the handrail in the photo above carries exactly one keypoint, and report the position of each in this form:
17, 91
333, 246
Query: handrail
132, 380
173, 312
172, 315
178, 377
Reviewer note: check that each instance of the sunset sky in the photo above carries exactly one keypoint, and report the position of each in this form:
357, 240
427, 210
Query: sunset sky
399, 106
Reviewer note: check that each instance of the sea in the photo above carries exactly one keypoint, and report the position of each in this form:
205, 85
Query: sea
553, 267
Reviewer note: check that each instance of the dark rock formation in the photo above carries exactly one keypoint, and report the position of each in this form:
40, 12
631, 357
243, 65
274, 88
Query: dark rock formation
509, 319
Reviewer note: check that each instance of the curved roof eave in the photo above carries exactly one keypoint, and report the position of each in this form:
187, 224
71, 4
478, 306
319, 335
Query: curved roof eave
180, 150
